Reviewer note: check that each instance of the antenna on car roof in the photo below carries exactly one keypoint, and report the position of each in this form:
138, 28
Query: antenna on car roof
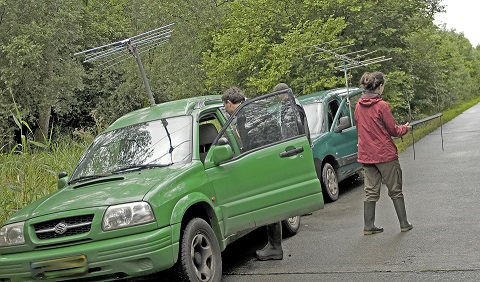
346, 61
117, 52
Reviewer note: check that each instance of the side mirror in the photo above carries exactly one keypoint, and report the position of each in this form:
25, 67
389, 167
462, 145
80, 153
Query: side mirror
223, 141
343, 123
218, 153
221, 153
62, 180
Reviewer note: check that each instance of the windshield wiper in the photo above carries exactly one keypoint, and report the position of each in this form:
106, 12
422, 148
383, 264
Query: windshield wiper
138, 167
88, 177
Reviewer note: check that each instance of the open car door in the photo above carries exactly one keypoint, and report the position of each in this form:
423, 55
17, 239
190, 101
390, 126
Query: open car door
261, 164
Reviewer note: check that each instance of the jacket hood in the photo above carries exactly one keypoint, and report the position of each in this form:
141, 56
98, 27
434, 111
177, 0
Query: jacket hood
369, 99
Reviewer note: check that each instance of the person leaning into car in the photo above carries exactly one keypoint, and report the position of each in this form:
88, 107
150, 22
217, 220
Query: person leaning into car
377, 151
232, 98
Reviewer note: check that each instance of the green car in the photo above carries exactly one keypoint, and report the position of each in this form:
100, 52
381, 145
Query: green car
334, 136
168, 186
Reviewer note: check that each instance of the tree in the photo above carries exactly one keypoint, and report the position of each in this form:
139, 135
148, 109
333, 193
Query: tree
37, 67
263, 42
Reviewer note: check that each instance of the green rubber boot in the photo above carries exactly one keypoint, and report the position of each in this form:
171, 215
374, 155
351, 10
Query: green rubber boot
369, 219
273, 249
399, 205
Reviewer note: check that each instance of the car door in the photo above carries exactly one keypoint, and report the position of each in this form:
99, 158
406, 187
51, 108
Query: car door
345, 141
271, 176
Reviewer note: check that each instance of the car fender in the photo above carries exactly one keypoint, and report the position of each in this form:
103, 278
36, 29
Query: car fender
181, 208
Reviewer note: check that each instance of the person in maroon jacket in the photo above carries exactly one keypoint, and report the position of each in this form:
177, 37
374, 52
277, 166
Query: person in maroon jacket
377, 151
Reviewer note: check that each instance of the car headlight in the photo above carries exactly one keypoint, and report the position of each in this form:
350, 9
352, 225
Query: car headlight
126, 215
12, 234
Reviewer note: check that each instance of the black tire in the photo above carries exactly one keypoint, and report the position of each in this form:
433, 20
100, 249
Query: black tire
329, 183
291, 226
200, 259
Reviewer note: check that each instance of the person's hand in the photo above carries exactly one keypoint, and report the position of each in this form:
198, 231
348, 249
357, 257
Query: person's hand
408, 125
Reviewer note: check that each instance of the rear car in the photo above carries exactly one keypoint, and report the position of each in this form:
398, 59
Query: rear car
334, 136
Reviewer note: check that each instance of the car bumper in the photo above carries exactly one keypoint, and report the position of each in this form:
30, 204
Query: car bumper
127, 256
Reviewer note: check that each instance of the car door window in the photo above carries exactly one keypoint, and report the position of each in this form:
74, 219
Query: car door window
314, 113
331, 112
260, 122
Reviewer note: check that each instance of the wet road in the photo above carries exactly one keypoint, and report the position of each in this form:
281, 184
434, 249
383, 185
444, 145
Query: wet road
442, 196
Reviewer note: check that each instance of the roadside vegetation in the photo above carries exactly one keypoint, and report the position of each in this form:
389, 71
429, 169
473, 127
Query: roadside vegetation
429, 126
252, 44
32, 173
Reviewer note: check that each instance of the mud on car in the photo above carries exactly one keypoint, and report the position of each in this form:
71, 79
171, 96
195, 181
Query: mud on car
166, 187
334, 136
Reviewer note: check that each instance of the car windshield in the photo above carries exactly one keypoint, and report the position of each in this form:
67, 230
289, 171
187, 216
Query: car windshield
144, 145
314, 113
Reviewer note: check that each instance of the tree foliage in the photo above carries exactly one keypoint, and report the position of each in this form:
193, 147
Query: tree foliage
38, 39
253, 44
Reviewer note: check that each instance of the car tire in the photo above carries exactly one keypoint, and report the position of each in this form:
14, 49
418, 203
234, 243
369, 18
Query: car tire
200, 258
329, 183
291, 226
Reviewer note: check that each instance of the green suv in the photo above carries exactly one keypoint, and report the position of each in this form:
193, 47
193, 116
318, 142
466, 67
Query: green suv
334, 136
166, 186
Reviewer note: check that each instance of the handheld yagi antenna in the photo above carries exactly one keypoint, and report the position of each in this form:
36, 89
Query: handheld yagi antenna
116, 52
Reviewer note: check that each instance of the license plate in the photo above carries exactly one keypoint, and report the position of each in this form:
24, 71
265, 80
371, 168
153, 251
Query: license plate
59, 267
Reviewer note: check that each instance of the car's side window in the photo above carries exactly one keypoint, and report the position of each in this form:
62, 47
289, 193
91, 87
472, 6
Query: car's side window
261, 122
207, 134
331, 112
314, 113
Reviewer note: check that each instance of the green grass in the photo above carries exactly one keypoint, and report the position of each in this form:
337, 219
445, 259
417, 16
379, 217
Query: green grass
26, 177
427, 127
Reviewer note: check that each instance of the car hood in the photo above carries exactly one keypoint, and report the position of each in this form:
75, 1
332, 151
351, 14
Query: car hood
115, 189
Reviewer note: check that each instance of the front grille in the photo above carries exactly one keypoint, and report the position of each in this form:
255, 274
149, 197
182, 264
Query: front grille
63, 227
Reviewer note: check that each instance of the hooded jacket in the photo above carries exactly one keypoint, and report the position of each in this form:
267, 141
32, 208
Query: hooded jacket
375, 126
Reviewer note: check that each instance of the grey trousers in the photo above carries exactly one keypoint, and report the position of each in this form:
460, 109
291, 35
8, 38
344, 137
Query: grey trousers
390, 172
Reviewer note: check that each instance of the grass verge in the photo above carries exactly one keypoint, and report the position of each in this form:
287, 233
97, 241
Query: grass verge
427, 127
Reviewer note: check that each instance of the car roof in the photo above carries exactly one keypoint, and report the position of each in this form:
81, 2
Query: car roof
322, 95
165, 110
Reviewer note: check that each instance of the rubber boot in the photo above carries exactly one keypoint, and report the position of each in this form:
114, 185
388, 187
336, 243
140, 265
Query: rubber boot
273, 249
369, 219
399, 205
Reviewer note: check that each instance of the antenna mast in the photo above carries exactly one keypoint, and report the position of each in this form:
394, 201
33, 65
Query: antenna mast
117, 52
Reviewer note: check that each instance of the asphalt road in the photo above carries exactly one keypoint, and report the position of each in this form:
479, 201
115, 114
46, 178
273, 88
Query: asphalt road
442, 196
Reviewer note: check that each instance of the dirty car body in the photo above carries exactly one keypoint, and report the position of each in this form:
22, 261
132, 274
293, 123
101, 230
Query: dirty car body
166, 186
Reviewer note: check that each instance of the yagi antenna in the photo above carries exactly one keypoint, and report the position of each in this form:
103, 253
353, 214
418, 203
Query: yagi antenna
346, 61
116, 52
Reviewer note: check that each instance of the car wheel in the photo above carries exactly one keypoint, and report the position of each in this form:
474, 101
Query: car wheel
291, 226
200, 257
329, 183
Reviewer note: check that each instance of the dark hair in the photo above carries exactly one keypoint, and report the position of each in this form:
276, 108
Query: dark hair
234, 95
370, 81
280, 86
